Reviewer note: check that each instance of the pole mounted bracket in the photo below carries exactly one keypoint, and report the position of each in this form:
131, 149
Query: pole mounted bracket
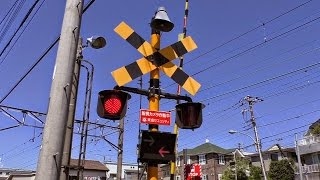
147, 93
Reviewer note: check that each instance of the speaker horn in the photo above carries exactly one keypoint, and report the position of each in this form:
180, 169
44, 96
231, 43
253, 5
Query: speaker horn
161, 21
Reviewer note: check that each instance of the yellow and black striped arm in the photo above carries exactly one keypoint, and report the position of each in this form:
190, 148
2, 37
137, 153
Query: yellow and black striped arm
163, 57
128, 34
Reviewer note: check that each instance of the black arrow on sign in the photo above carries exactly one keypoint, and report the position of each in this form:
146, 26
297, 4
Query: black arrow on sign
162, 151
150, 141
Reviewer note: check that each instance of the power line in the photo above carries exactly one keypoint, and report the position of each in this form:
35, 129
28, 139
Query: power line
251, 30
20, 26
40, 58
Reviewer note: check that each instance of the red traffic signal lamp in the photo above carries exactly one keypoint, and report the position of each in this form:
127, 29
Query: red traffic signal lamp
112, 104
189, 115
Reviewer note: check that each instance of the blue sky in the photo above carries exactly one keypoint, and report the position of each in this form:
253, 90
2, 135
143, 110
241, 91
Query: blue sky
266, 49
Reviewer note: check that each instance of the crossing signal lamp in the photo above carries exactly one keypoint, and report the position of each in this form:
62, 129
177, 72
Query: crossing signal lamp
112, 104
189, 115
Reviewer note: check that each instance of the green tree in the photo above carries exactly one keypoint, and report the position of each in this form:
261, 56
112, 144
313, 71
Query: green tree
255, 173
242, 165
281, 170
316, 130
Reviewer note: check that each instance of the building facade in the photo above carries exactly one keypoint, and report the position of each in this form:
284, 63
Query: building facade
92, 170
212, 159
129, 171
309, 150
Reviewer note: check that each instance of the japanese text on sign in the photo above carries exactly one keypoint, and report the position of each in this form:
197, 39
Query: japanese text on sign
155, 117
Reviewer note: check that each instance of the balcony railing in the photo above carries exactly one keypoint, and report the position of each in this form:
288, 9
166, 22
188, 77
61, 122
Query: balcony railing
310, 168
309, 140
313, 168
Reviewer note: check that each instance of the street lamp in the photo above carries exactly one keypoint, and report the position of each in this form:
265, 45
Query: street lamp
96, 42
257, 143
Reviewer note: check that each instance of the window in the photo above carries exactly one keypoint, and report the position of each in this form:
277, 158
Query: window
178, 161
202, 159
204, 177
178, 178
219, 176
188, 160
315, 158
274, 157
221, 159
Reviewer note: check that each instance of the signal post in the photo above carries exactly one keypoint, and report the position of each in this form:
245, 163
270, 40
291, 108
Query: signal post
155, 147
154, 99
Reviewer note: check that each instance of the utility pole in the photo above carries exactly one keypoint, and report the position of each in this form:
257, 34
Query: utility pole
120, 150
251, 101
49, 163
64, 174
299, 158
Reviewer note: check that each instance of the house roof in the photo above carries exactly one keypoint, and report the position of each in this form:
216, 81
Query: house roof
205, 149
90, 165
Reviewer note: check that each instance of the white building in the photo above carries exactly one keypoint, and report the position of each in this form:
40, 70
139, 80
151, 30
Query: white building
129, 170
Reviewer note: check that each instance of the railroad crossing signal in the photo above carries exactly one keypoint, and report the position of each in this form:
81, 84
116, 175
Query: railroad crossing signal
112, 104
155, 59
157, 147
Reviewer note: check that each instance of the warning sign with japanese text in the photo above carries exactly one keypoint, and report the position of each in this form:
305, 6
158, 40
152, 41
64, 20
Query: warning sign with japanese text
155, 117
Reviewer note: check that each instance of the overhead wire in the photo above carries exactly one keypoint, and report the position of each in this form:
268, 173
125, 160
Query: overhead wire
13, 14
251, 30
17, 30
7, 14
255, 46
22, 31
41, 57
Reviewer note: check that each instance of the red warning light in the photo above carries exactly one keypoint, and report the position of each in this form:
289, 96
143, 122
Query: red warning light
112, 104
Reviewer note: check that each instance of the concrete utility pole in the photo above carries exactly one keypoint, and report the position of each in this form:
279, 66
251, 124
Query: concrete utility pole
299, 158
64, 174
49, 163
251, 101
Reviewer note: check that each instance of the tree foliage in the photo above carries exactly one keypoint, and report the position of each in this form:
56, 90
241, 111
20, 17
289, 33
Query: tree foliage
316, 130
281, 170
255, 173
244, 171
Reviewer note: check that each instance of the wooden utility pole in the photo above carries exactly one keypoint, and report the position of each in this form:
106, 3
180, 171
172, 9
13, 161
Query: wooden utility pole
49, 163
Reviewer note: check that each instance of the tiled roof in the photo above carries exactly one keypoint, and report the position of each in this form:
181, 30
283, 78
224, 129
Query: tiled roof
205, 149
90, 165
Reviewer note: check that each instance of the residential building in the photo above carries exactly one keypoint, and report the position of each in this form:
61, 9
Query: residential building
274, 153
212, 159
92, 170
309, 150
6, 172
129, 171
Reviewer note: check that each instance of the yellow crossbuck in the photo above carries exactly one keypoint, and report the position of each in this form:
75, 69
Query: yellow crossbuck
155, 59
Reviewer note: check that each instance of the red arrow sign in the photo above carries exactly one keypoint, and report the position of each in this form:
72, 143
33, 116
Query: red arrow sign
162, 151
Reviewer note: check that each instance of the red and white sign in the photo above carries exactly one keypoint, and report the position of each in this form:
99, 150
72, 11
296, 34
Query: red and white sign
155, 117
193, 171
